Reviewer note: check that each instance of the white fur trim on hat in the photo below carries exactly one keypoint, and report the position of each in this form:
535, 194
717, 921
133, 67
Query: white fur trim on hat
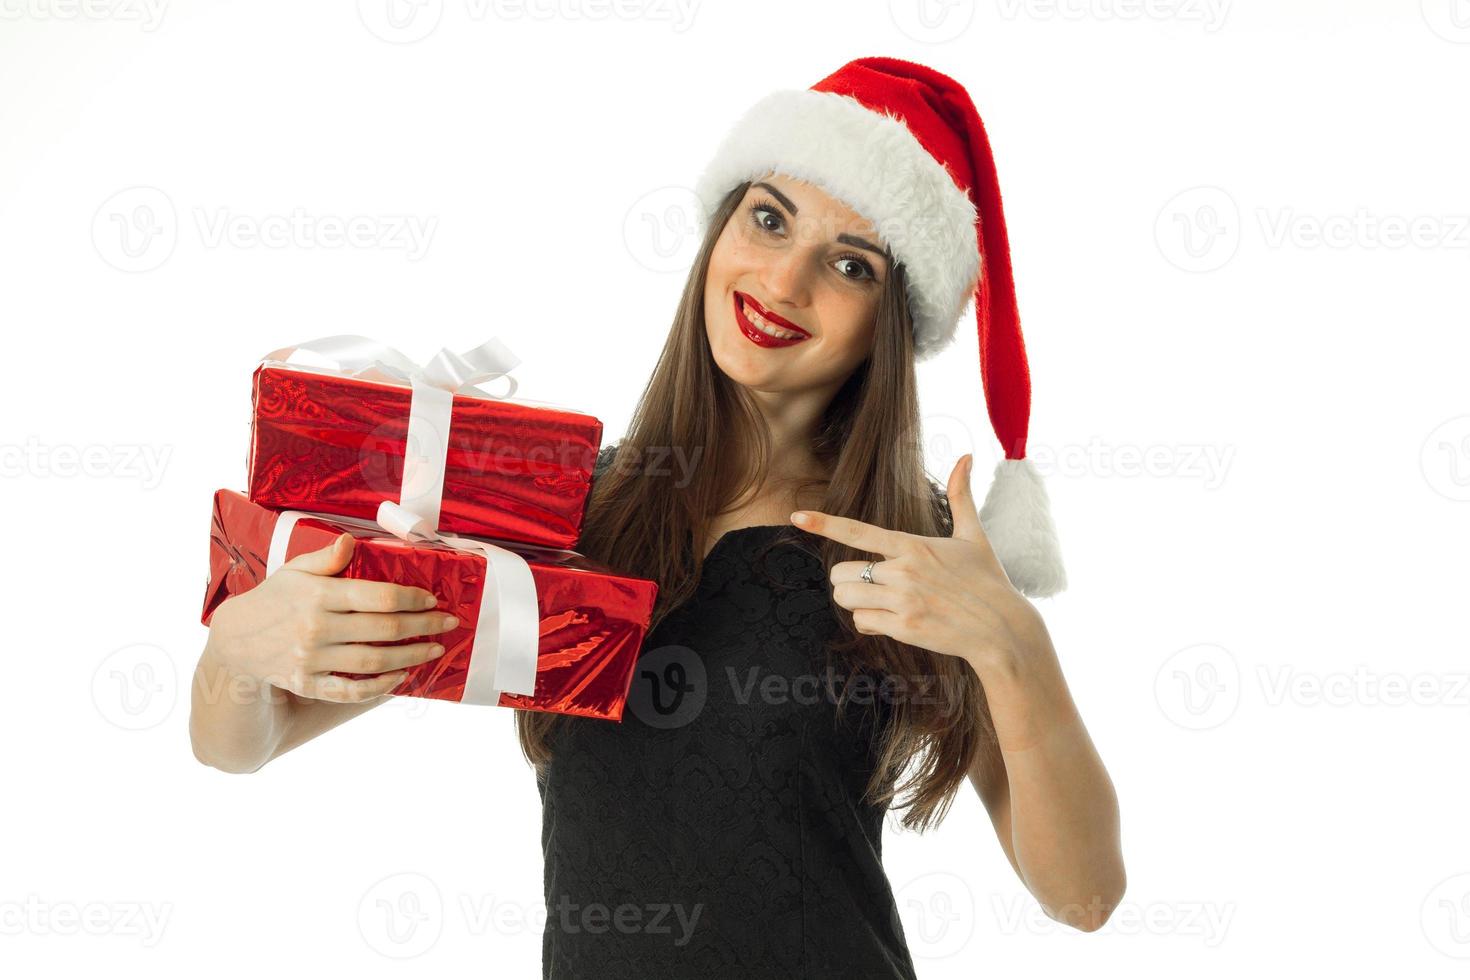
871, 162
1016, 516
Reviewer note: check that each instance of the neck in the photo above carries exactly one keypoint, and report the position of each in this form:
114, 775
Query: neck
791, 419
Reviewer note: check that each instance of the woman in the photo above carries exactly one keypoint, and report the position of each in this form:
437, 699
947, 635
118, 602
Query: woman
798, 664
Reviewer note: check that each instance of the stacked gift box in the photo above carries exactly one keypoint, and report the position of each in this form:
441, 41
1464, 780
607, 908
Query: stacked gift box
474, 496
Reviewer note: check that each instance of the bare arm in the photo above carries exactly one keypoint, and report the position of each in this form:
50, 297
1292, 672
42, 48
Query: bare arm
988, 776
238, 724
1050, 798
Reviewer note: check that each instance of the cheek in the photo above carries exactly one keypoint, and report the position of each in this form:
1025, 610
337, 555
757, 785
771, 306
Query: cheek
728, 261
853, 322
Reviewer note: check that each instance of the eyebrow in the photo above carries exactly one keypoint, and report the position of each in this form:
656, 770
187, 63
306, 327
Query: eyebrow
844, 238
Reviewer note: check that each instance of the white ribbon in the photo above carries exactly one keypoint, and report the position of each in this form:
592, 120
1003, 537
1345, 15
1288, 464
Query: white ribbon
431, 402
507, 634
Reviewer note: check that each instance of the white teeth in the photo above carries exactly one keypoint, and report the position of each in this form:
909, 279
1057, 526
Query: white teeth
760, 324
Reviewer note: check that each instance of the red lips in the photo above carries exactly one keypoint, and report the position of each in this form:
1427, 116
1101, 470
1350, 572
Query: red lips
757, 336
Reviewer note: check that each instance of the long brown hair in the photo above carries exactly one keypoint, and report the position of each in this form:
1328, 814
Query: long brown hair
869, 441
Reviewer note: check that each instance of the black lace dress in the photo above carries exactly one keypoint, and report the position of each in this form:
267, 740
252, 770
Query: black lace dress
718, 830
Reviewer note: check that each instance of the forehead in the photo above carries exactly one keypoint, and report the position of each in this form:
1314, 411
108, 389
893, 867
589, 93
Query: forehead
815, 205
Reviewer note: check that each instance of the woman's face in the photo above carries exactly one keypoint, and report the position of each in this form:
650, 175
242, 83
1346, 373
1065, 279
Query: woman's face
814, 267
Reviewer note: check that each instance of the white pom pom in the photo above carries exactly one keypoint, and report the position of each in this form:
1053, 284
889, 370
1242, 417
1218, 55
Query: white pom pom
1017, 519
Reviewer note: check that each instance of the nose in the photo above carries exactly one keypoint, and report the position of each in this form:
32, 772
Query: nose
785, 280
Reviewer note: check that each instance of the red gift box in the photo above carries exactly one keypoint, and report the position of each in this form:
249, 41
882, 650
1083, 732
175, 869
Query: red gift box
327, 442
592, 619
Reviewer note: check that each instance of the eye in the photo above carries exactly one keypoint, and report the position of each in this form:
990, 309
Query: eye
865, 270
760, 208
765, 216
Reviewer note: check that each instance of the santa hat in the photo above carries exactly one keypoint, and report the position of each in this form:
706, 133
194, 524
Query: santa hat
902, 145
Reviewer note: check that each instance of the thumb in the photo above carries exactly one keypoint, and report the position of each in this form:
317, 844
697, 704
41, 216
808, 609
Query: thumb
962, 503
326, 561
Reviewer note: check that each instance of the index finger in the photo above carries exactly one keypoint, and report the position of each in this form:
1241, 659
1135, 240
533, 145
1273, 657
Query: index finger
864, 537
362, 595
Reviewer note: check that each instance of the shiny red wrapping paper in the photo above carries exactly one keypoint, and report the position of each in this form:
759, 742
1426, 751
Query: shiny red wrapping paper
593, 620
328, 443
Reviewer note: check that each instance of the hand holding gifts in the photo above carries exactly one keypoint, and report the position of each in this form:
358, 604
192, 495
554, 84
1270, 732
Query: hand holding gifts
448, 488
564, 639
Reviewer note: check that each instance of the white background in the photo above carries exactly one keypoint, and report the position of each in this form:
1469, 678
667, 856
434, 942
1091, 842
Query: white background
1250, 386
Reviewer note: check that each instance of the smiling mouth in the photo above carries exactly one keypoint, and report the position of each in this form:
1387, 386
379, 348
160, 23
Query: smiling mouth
765, 329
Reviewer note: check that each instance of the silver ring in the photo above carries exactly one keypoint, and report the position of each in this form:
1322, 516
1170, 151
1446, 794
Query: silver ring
868, 572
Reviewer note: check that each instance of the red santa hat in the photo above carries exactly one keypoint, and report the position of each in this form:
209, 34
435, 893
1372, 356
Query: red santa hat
903, 146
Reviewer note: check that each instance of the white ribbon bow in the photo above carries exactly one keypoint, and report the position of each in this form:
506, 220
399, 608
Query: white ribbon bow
431, 403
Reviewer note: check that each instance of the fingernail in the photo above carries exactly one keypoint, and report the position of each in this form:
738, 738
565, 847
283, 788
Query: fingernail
436, 649
799, 517
429, 601
450, 622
